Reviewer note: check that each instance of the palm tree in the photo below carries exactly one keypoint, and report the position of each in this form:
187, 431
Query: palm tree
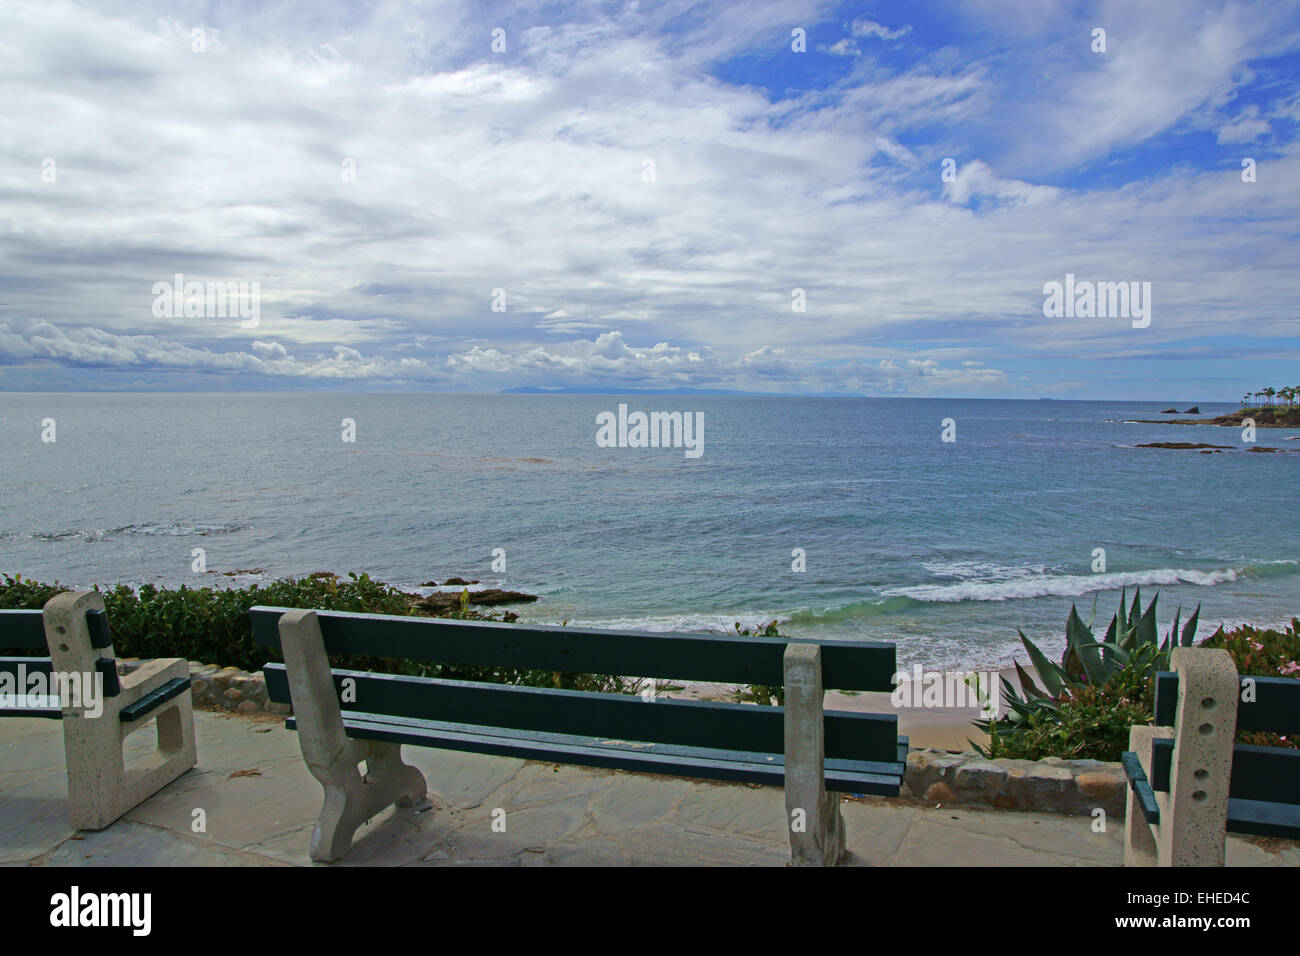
1270, 392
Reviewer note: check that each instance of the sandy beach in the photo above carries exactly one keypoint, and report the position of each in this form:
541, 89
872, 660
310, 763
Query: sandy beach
948, 728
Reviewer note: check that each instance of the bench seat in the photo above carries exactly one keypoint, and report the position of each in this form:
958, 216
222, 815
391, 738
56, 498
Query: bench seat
1264, 818
844, 776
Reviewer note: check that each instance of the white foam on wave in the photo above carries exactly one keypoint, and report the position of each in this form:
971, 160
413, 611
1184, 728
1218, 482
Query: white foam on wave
1066, 585
671, 623
975, 569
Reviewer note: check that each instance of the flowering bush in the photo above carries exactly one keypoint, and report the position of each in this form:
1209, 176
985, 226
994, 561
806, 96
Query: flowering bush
1262, 653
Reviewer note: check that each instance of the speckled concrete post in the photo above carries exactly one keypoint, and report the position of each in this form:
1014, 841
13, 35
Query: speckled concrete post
1194, 812
816, 826
101, 786
1204, 729
350, 798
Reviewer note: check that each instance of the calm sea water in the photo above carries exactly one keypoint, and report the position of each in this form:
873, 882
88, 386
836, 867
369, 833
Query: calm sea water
945, 548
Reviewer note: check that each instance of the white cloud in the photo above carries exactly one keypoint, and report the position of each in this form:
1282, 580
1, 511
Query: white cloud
869, 28
524, 172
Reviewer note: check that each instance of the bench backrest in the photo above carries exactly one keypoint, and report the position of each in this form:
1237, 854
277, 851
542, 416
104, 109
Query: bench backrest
1267, 704
846, 665
24, 630
719, 725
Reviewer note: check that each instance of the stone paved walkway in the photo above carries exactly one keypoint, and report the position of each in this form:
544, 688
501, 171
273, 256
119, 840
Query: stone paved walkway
259, 804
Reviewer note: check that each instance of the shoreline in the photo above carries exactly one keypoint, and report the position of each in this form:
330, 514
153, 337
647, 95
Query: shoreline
943, 727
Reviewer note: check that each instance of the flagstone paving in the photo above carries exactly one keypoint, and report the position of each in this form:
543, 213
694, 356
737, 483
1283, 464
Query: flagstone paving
251, 802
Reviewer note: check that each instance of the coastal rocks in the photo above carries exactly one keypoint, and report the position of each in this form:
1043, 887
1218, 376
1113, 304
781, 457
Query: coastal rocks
450, 600
1194, 410
1267, 417
1053, 784
229, 688
222, 688
1168, 411
1184, 444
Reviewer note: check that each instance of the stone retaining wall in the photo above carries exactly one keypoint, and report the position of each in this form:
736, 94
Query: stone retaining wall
227, 688
1052, 785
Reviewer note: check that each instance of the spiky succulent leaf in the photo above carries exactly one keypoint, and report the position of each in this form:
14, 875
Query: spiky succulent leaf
1145, 631
1052, 676
1085, 647
1027, 685
1172, 636
1111, 632
1189, 629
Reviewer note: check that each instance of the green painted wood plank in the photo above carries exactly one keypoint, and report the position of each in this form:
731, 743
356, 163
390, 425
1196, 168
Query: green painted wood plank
713, 724
1263, 818
697, 762
1269, 774
1269, 704
22, 630
155, 699
846, 665
1137, 779
881, 768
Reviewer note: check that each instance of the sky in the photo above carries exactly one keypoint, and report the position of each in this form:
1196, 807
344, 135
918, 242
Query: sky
784, 197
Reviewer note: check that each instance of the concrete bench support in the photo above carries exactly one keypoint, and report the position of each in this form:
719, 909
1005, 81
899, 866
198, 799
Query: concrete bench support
101, 785
350, 798
1194, 811
816, 826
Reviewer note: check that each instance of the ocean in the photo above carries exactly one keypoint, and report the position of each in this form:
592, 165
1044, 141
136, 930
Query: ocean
944, 547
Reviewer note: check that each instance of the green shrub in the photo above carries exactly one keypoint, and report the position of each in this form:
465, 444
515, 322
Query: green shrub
1087, 721
1087, 704
759, 693
211, 625
1262, 653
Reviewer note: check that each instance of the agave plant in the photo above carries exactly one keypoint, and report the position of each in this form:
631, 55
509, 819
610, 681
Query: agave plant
1131, 644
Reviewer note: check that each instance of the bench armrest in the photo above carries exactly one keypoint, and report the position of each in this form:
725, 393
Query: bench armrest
150, 676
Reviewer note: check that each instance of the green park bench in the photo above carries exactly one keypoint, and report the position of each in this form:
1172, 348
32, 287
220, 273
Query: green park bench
345, 717
1189, 783
98, 708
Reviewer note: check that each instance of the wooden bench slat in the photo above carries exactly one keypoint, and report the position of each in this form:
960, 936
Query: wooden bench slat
17, 666
1274, 709
27, 665
22, 630
155, 699
1142, 789
612, 754
846, 665
1270, 774
885, 768
690, 723
1264, 818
